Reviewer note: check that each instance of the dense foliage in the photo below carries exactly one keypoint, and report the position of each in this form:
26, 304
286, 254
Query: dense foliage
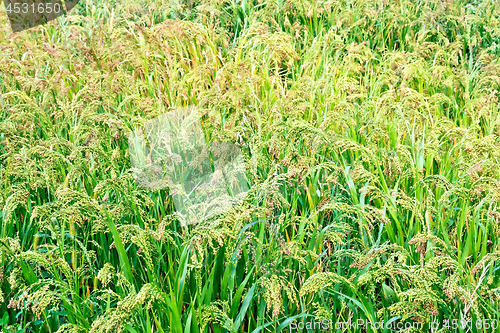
371, 136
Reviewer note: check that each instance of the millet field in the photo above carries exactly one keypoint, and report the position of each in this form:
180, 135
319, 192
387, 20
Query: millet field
370, 134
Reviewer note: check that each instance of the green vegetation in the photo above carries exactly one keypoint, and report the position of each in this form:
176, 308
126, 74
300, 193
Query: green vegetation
371, 135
